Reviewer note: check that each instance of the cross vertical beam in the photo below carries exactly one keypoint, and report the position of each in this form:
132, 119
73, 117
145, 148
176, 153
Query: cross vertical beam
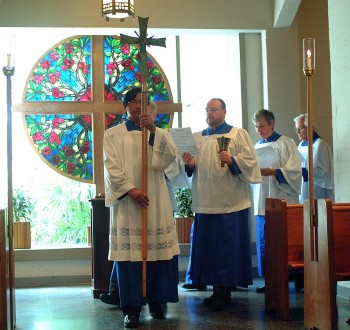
143, 41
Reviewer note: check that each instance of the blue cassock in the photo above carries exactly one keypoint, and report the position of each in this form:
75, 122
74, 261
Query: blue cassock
260, 219
220, 243
162, 275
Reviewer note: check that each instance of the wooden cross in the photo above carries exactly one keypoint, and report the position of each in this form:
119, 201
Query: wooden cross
98, 108
143, 41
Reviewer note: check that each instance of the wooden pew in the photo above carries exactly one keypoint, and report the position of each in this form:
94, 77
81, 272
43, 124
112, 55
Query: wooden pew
331, 264
285, 231
284, 252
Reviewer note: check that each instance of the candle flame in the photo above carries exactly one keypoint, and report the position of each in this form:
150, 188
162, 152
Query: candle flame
308, 53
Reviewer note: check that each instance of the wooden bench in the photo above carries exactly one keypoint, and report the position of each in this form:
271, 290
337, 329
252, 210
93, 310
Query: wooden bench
285, 234
284, 252
331, 264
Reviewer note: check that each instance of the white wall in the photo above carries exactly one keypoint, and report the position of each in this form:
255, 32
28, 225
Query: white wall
340, 67
179, 14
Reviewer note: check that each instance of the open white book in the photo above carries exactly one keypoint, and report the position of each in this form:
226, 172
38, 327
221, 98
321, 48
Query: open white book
267, 156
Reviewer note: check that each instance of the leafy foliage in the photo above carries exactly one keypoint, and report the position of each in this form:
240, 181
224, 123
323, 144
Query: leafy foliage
66, 214
23, 206
184, 202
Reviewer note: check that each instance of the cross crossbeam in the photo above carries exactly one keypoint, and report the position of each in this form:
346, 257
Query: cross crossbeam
142, 41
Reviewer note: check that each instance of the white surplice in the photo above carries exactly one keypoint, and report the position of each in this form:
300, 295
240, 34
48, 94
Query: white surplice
323, 170
122, 159
214, 189
289, 164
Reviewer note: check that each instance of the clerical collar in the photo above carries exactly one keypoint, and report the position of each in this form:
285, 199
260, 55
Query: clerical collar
315, 138
272, 138
221, 129
130, 126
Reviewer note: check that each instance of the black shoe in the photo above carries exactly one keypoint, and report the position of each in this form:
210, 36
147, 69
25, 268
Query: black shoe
110, 298
131, 321
261, 290
217, 303
157, 310
189, 286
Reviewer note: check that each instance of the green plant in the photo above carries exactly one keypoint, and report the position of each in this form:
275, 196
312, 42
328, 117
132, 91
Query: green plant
184, 202
23, 206
65, 214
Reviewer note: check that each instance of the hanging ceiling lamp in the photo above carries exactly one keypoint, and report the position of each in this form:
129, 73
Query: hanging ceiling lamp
118, 9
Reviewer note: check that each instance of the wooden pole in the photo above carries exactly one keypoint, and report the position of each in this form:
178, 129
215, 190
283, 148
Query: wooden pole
144, 105
313, 240
9, 72
142, 40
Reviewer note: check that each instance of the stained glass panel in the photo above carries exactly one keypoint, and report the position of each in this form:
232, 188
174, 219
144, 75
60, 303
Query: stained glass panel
63, 74
122, 72
114, 120
64, 141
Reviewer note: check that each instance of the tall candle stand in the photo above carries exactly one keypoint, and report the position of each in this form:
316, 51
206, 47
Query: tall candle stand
9, 71
309, 71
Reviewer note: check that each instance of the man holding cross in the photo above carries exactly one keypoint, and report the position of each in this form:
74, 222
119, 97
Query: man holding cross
122, 159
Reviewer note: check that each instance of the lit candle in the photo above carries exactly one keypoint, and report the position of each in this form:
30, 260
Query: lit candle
8, 60
308, 58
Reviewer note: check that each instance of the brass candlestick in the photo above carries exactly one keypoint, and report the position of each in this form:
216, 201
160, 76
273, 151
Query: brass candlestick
223, 145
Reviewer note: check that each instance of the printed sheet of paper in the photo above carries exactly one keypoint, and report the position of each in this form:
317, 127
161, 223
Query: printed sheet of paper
184, 140
267, 156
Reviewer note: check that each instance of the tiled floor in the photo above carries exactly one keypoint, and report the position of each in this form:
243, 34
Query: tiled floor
73, 308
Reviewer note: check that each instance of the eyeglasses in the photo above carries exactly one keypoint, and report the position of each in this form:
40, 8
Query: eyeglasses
133, 102
298, 130
211, 109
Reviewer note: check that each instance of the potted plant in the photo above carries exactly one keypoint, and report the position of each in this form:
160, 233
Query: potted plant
184, 215
23, 211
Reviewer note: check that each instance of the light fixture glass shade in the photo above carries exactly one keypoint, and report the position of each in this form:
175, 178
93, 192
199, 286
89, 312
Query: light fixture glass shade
309, 54
118, 8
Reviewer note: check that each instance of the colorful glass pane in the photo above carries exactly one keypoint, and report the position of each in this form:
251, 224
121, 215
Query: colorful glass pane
64, 141
114, 120
122, 71
121, 65
63, 74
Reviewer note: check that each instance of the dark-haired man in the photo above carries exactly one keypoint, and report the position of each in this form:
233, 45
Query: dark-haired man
122, 159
